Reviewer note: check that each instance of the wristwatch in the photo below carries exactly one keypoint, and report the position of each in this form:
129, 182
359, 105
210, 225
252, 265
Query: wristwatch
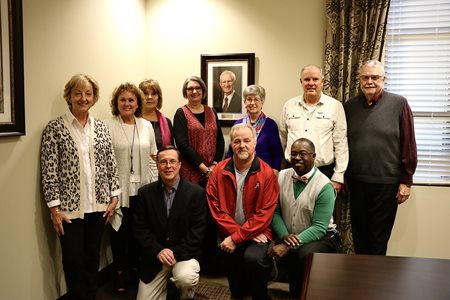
208, 170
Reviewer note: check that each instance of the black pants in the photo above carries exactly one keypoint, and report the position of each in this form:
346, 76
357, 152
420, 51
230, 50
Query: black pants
248, 269
124, 246
296, 260
212, 261
373, 208
80, 246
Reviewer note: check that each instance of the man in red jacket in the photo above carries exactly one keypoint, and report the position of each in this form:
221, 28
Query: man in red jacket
242, 194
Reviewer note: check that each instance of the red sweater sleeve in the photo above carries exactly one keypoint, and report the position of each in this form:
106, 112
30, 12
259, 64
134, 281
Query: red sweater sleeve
408, 145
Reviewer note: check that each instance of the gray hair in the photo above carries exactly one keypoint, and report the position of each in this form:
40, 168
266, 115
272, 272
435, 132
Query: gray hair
312, 65
229, 73
255, 90
373, 63
242, 126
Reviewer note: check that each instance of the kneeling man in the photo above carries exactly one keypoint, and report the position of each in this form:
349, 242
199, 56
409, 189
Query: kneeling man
303, 219
242, 195
169, 225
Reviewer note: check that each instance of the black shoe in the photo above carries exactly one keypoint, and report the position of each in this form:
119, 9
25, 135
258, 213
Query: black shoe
120, 284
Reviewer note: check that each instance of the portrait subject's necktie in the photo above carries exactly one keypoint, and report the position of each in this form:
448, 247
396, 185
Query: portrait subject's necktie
225, 105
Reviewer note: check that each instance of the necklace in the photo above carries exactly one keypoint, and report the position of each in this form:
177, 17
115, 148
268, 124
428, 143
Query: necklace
131, 150
132, 144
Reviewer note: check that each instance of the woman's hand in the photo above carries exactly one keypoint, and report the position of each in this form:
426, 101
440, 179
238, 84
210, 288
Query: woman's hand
206, 170
57, 219
109, 212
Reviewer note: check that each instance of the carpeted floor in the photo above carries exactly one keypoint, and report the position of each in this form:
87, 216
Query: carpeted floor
209, 288
217, 289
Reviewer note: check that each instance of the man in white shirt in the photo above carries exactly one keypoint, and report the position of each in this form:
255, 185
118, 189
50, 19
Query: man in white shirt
321, 119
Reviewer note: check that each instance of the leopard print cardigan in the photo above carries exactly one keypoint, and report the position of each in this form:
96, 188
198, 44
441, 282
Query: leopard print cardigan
62, 182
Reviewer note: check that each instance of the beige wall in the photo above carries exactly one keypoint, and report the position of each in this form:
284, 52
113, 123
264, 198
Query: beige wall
128, 40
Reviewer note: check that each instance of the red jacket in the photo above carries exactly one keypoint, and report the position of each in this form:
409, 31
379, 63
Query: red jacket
260, 196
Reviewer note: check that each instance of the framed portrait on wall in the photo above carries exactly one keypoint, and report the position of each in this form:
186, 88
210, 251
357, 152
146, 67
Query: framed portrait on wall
12, 110
226, 75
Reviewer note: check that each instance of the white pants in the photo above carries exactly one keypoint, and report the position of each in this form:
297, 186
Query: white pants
185, 276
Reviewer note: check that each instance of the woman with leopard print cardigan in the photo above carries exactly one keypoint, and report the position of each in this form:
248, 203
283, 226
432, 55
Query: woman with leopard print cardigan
80, 184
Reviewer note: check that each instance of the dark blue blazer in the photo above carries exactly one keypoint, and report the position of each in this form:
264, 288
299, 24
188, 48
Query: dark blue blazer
182, 230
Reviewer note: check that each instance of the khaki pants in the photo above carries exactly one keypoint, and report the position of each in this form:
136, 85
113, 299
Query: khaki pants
185, 276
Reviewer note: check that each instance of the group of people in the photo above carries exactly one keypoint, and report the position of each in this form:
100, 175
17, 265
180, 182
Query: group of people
261, 205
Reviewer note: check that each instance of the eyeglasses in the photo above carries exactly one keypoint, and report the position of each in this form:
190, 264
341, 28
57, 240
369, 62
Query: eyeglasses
373, 77
302, 154
194, 88
250, 100
169, 163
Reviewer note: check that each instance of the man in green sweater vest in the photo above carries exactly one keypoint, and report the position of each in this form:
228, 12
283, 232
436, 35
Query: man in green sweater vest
303, 219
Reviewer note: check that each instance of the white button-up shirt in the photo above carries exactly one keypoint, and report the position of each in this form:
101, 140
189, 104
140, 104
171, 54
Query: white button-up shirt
324, 124
83, 136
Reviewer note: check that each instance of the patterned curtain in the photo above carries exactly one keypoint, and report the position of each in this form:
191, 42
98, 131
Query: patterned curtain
355, 33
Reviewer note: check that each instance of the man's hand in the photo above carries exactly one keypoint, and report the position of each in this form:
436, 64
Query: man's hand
337, 186
291, 240
278, 251
403, 193
166, 257
228, 245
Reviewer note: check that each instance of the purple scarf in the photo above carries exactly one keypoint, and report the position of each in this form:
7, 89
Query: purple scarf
258, 125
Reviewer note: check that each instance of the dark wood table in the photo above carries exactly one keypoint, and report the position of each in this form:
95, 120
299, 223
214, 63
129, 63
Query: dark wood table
369, 277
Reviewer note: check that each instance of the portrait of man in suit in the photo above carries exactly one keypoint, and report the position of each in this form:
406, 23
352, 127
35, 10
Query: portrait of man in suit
229, 100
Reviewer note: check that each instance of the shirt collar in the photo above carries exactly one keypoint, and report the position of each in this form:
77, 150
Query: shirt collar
375, 102
175, 185
303, 102
229, 96
309, 174
71, 118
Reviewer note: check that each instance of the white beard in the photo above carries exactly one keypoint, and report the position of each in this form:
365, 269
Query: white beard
243, 155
